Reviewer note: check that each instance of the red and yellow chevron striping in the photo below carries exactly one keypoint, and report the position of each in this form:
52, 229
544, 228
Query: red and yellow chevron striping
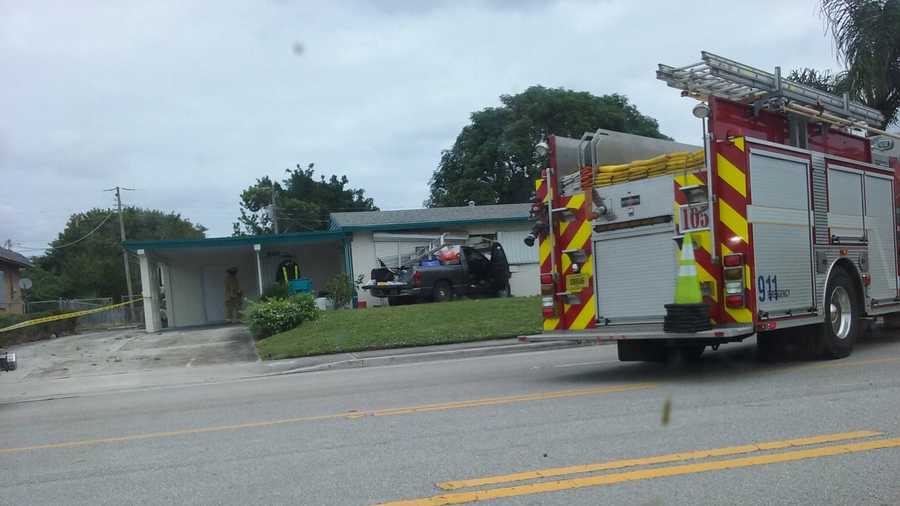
575, 234
546, 245
733, 231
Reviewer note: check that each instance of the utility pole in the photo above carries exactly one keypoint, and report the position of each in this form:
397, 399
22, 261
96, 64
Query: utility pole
118, 190
274, 209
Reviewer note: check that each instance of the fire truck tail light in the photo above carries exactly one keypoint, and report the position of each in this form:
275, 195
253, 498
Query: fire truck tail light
548, 287
548, 306
416, 278
733, 260
734, 274
734, 300
734, 288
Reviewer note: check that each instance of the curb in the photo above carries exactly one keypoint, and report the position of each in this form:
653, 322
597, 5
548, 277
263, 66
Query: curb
411, 358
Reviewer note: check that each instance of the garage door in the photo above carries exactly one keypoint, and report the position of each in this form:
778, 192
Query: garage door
634, 274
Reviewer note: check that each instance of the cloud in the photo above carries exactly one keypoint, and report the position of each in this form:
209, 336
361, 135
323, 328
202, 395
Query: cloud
192, 101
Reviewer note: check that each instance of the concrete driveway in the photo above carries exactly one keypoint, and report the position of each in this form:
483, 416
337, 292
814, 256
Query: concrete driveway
133, 350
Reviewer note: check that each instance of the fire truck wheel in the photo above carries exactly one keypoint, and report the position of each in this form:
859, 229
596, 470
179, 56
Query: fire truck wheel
841, 326
441, 292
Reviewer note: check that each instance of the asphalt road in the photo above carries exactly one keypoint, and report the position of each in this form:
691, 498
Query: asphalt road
580, 427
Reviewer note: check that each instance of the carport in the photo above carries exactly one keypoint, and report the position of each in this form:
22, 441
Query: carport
184, 280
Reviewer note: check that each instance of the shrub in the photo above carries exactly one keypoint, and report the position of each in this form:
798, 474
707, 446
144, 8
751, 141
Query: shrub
272, 316
276, 291
340, 290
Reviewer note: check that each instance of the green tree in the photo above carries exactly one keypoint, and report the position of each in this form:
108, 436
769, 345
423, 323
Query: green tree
493, 160
86, 257
45, 284
303, 203
867, 36
823, 80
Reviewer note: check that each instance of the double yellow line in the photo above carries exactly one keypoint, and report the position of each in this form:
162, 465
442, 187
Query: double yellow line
657, 472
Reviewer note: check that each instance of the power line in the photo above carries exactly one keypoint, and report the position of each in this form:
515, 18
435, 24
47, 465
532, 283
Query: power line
73, 243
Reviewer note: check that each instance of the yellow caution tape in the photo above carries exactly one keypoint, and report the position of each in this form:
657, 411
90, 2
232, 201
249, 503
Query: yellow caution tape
66, 316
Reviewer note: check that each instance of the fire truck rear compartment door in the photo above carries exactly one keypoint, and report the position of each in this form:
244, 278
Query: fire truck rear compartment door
783, 275
880, 233
634, 273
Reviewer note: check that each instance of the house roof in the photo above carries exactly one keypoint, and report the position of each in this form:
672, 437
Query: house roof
429, 218
342, 223
214, 242
11, 257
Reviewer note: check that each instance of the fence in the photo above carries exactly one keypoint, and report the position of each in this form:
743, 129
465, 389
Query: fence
126, 315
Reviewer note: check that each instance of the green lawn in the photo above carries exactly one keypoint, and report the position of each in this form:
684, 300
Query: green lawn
415, 325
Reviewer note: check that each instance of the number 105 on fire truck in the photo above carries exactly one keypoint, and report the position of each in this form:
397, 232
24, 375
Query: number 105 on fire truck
693, 218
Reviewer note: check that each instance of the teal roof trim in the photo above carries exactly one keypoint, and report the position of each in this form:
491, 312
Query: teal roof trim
434, 224
214, 242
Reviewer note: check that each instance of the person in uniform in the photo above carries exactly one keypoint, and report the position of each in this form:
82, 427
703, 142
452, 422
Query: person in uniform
233, 296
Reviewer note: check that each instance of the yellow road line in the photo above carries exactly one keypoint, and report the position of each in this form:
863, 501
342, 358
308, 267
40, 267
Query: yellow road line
646, 474
349, 415
660, 459
184, 432
505, 400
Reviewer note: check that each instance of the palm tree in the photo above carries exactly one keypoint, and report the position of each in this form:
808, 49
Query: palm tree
867, 38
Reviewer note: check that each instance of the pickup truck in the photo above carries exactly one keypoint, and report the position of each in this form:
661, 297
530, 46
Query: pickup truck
444, 272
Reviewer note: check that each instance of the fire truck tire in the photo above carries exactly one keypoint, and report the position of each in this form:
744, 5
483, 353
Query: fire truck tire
841, 327
441, 292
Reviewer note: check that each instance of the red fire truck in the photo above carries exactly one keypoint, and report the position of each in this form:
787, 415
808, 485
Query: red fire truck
792, 219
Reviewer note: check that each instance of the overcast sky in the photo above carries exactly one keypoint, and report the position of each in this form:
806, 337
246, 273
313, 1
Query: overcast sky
190, 102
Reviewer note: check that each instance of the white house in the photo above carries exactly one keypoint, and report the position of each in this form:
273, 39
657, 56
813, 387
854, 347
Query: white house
183, 280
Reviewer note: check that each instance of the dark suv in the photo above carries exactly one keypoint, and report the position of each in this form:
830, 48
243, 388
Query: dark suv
447, 271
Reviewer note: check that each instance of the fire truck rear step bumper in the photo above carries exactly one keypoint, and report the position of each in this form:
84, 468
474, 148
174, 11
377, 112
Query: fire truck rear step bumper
642, 331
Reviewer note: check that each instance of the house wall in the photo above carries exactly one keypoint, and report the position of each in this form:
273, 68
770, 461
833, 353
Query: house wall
523, 260
362, 253
192, 299
186, 292
10, 294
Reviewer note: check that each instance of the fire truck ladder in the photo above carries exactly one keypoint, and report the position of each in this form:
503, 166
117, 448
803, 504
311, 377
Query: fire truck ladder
721, 77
